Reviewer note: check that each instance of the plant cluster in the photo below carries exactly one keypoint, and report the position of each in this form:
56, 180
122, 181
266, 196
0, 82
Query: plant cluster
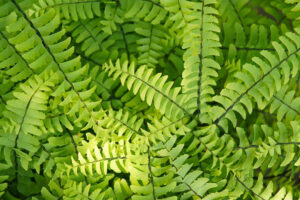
149, 99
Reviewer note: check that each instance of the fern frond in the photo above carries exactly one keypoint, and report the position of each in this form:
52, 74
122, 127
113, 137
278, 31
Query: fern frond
151, 179
192, 183
257, 81
150, 46
21, 141
220, 157
122, 124
99, 161
273, 147
115, 95
152, 89
162, 129
56, 60
199, 66
26, 113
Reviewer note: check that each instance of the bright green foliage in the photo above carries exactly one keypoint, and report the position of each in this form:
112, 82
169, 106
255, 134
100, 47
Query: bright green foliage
149, 99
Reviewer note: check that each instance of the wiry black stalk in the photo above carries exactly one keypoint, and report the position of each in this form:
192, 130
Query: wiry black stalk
125, 42
150, 173
248, 48
277, 144
200, 63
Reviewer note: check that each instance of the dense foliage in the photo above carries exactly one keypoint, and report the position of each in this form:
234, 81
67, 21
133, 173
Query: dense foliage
149, 99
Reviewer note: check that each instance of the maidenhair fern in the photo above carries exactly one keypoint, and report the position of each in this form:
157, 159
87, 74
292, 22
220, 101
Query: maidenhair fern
149, 99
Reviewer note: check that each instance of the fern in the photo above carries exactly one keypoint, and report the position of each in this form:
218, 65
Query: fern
149, 99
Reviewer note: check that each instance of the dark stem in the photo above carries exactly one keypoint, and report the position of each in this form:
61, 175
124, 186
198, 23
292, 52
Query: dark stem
125, 42
248, 48
150, 173
200, 63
